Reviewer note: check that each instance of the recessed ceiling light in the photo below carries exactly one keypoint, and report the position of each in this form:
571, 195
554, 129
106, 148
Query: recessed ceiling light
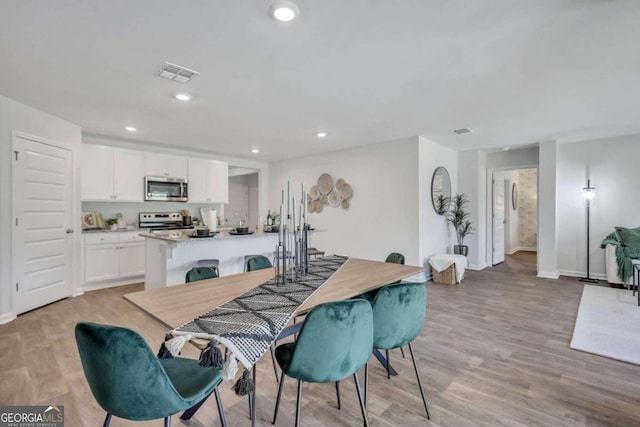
183, 96
130, 128
321, 134
255, 150
284, 11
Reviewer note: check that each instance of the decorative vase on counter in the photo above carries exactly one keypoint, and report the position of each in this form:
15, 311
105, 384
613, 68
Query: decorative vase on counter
461, 250
114, 227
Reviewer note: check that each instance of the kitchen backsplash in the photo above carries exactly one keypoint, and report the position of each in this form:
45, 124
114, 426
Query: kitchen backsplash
130, 210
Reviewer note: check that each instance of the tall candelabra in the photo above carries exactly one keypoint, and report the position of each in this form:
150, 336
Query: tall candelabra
292, 255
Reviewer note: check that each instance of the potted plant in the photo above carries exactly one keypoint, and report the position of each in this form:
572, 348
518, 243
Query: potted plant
112, 223
458, 216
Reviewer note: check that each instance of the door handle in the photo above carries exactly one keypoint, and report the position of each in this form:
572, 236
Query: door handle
69, 230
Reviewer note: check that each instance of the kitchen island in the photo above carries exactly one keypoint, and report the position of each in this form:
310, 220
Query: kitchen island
170, 254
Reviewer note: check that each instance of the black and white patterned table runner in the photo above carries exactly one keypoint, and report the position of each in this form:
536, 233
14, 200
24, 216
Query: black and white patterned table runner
249, 324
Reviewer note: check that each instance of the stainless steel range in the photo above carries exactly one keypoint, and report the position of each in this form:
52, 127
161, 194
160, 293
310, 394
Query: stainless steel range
158, 221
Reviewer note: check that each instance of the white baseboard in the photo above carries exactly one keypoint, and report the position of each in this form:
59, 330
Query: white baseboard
548, 274
476, 267
522, 248
6, 318
88, 287
571, 273
418, 278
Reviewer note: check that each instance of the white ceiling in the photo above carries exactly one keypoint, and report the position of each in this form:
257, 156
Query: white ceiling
515, 71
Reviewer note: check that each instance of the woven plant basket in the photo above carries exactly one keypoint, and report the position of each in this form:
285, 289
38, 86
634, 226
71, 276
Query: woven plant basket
446, 277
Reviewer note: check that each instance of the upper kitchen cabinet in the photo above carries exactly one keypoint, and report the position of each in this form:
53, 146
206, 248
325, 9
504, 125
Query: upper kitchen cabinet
166, 165
208, 181
112, 174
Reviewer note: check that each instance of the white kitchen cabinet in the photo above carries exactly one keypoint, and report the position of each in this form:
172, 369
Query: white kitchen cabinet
166, 165
97, 173
208, 181
112, 174
114, 257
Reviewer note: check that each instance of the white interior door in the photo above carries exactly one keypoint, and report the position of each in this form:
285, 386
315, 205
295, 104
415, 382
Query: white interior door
42, 209
498, 220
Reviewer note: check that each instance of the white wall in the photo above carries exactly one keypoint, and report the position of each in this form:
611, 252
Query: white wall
472, 181
19, 117
512, 229
384, 211
436, 235
513, 159
612, 166
547, 224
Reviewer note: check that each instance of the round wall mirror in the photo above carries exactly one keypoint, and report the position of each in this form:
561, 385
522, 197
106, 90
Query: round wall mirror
441, 190
514, 196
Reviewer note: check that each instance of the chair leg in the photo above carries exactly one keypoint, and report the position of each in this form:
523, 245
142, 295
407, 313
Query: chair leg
388, 363
250, 405
167, 421
273, 360
255, 397
362, 408
419, 382
338, 393
275, 412
402, 351
298, 403
107, 420
220, 410
366, 383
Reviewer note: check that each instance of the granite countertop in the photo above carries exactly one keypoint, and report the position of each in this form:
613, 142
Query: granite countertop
180, 236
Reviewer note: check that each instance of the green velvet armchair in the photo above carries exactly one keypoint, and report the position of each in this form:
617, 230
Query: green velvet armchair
334, 342
128, 381
399, 312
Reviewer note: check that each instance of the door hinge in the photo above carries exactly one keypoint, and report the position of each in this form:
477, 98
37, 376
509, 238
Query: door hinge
17, 286
16, 153
16, 221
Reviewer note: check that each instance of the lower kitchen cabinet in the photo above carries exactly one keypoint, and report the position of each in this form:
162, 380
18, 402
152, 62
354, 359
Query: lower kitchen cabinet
112, 259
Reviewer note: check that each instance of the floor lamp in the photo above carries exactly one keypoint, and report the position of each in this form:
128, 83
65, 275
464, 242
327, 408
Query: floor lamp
588, 196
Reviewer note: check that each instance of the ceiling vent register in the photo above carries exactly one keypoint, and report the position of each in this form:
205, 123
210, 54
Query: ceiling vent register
462, 131
177, 73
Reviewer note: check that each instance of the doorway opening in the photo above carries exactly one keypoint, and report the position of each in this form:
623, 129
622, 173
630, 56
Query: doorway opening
243, 198
514, 213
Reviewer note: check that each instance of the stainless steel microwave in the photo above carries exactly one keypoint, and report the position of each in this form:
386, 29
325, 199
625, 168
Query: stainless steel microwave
165, 189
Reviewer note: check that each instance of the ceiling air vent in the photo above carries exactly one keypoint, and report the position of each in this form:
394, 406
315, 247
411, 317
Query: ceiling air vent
177, 73
462, 131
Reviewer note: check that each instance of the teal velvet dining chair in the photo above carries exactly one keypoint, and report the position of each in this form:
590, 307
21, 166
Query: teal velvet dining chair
334, 342
399, 312
200, 273
258, 262
393, 258
128, 381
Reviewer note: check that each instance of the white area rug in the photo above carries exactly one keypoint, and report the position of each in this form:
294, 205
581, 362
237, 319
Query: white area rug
608, 324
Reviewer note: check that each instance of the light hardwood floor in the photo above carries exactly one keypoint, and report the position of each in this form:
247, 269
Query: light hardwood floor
494, 351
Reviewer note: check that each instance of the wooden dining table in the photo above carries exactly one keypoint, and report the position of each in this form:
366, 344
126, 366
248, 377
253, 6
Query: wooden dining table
179, 304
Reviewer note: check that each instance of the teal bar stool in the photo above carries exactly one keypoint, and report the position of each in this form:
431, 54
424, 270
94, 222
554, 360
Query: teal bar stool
399, 312
334, 342
200, 273
258, 262
128, 381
